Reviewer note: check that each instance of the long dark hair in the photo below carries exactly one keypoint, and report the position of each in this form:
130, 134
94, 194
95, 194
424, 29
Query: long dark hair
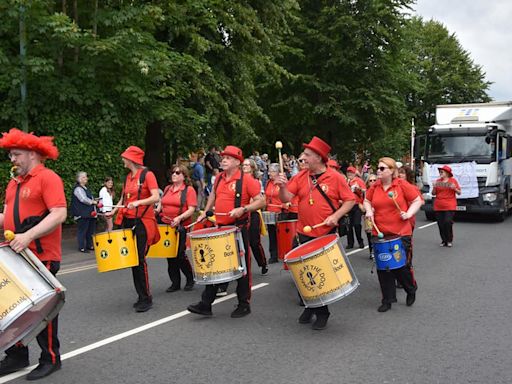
112, 190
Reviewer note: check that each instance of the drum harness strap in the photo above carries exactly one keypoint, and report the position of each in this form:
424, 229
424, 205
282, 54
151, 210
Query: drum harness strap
29, 222
238, 195
329, 201
142, 178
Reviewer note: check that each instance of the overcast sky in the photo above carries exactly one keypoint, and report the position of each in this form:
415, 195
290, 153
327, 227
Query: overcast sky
482, 27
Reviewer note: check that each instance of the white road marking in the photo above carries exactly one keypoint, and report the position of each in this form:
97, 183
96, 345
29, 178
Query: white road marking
121, 336
428, 225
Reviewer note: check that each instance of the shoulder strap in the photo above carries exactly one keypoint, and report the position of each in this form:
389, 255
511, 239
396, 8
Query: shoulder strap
16, 208
142, 179
329, 201
238, 190
183, 199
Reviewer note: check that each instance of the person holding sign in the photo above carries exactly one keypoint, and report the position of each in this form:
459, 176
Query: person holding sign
35, 208
445, 204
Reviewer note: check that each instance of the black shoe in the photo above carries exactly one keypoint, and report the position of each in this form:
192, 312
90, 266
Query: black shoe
189, 286
10, 365
273, 261
43, 370
320, 322
173, 288
221, 293
200, 309
241, 311
398, 284
264, 270
90, 248
411, 298
306, 316
384, 307
143, 306
361, 245
83, 250
349, 246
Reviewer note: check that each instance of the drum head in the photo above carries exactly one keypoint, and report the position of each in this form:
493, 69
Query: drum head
212, 231
311, 247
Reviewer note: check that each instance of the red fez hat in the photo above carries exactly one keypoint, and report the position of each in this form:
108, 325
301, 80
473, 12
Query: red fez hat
333, 163
320, 147
351, 170
22, 140
233, 151
134, 154
446, 168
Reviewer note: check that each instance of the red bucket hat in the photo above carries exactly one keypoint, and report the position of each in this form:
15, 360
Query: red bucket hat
22, 140
320, 147
134, 154
333, 163
446, 168
233, 151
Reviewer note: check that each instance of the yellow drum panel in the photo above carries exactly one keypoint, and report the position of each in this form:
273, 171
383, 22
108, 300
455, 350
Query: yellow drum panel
214, 253
167, 246
115, 250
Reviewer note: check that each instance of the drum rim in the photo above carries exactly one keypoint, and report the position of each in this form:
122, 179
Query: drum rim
113, 231
200, 233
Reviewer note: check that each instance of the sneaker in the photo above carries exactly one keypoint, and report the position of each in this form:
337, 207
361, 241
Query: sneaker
10, 365
137, 303
306, 316
173, 288
200, 309
222, 293
320, 322
144, 306
264, 270
411, 298
189, 286
442, 244
43, 370
83, 250
449, 245
241, 311
384, 307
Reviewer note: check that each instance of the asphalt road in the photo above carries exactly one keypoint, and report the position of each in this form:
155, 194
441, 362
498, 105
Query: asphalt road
456, 332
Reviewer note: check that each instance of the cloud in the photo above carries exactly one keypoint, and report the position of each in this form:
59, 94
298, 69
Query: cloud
481, 27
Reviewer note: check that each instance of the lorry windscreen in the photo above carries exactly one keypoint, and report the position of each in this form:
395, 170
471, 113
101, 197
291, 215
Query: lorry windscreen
453, 148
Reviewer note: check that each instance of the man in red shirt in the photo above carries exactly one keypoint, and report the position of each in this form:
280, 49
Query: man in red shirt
314, 208
357, 186
223, 198
36, 192
139, 197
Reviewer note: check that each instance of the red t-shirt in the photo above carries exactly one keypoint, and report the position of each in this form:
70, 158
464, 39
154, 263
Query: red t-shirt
171, 201
360, 191
272, 196
131, 191
446, 199
41, 189
386, 213
225, 195
335, 187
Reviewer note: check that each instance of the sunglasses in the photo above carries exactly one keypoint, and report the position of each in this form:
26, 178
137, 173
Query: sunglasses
372, 180
246, 165
176, 172
382, 169
301, 160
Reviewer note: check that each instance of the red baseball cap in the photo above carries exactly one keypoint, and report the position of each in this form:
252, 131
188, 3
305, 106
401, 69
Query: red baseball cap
351, 170
333, 163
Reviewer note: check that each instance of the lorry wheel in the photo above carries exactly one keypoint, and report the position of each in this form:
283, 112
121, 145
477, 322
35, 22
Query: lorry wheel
430, 216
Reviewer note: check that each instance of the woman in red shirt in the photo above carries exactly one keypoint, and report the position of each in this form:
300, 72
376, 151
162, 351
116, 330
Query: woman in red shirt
445, 203
178, 204
393, 223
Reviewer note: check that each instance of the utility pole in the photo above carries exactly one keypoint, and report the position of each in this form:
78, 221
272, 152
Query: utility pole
23, 61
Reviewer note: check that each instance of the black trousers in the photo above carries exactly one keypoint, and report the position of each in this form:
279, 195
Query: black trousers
47, 338
301, 239
255, 239
272, 241
445, 225
181, 262
369, 238
243, 288
404, 275
354, 226
85, 230
140, 272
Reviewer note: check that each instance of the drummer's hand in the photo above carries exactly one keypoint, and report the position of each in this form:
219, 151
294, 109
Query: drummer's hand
237, 212
281, 180
20, 242
133, 204
201, 217
369, 213
176, 221
331, 221
404, 215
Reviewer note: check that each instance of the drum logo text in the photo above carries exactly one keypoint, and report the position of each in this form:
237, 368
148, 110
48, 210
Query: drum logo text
228, 252
384, 256
203, 253
312, 277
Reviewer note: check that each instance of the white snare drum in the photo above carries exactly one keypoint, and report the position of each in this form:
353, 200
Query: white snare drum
269, 218
30, 297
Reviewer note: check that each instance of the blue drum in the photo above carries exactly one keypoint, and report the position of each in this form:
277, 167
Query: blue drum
389, 253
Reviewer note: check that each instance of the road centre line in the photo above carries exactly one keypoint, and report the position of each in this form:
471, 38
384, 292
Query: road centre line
121, 336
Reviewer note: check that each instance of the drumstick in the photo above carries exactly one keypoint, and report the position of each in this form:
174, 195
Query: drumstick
308, 228
392, 195
281, 205
110, 206
380, 235
208, 214
9, 236
279, 145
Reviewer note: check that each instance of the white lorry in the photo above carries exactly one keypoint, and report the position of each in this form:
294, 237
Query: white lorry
476, 141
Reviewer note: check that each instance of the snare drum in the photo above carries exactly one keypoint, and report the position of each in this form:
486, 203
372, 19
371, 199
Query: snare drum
269, 218
321, 271
389, 253
217, 254
167, 246
115, 250
30, 297
286, 231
